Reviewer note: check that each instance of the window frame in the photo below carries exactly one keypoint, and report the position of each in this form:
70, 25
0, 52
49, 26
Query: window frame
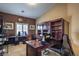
22, 27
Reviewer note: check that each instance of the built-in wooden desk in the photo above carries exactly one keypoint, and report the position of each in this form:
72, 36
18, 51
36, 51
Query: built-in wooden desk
35, 49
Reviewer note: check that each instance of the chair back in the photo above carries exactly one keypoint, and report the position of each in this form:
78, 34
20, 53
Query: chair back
67, 44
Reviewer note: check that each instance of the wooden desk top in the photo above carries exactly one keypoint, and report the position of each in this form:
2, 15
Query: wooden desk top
35, 44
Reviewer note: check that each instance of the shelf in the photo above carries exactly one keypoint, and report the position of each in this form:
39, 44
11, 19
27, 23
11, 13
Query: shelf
57, 30
45, 29
56, 25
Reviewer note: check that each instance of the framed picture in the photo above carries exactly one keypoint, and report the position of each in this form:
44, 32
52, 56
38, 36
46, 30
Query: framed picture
8, 26
32, 27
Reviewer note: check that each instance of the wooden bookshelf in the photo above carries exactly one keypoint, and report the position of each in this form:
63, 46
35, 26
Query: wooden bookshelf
57, 28
43, 28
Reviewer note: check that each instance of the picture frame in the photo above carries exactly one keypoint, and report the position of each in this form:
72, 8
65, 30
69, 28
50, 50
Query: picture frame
8, 26
32, 27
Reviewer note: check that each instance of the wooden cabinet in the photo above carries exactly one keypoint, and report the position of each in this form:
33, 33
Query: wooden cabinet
1, 36
57, 28
34, 50
43, 28
1, 24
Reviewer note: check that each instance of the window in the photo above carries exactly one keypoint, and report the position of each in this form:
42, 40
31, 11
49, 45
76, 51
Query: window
21, 29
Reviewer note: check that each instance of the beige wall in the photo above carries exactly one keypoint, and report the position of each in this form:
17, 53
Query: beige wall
73, 11
69, 12
58, 11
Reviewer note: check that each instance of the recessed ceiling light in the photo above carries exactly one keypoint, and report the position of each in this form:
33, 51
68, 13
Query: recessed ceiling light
32, 3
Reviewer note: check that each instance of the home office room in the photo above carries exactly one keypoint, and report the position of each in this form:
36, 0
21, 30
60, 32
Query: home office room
39, 29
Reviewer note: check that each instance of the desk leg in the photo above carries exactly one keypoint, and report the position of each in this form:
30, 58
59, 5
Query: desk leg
26, 50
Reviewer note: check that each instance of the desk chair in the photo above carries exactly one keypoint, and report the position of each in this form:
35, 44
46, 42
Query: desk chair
65, 49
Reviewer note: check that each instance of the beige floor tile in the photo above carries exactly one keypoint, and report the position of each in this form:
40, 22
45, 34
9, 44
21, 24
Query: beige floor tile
16, 50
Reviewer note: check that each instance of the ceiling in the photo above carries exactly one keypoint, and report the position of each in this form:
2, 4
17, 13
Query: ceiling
26, 10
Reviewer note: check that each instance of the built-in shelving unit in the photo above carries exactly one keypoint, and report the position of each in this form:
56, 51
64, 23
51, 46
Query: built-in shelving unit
56, 28
43, 28
2, 38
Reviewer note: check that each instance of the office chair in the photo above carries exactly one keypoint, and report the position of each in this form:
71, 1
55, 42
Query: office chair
66, 49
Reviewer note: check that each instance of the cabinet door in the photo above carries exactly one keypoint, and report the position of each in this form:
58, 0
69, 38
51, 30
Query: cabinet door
1, 24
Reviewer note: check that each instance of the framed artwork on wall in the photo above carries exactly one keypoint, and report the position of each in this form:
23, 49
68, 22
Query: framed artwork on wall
9, 26
32, 27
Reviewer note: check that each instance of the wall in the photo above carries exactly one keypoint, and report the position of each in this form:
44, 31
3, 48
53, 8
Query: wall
73, 11
58, 11
14, 19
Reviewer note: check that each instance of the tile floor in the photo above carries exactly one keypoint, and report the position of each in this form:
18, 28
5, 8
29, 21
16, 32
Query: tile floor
20, 50
16, 50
